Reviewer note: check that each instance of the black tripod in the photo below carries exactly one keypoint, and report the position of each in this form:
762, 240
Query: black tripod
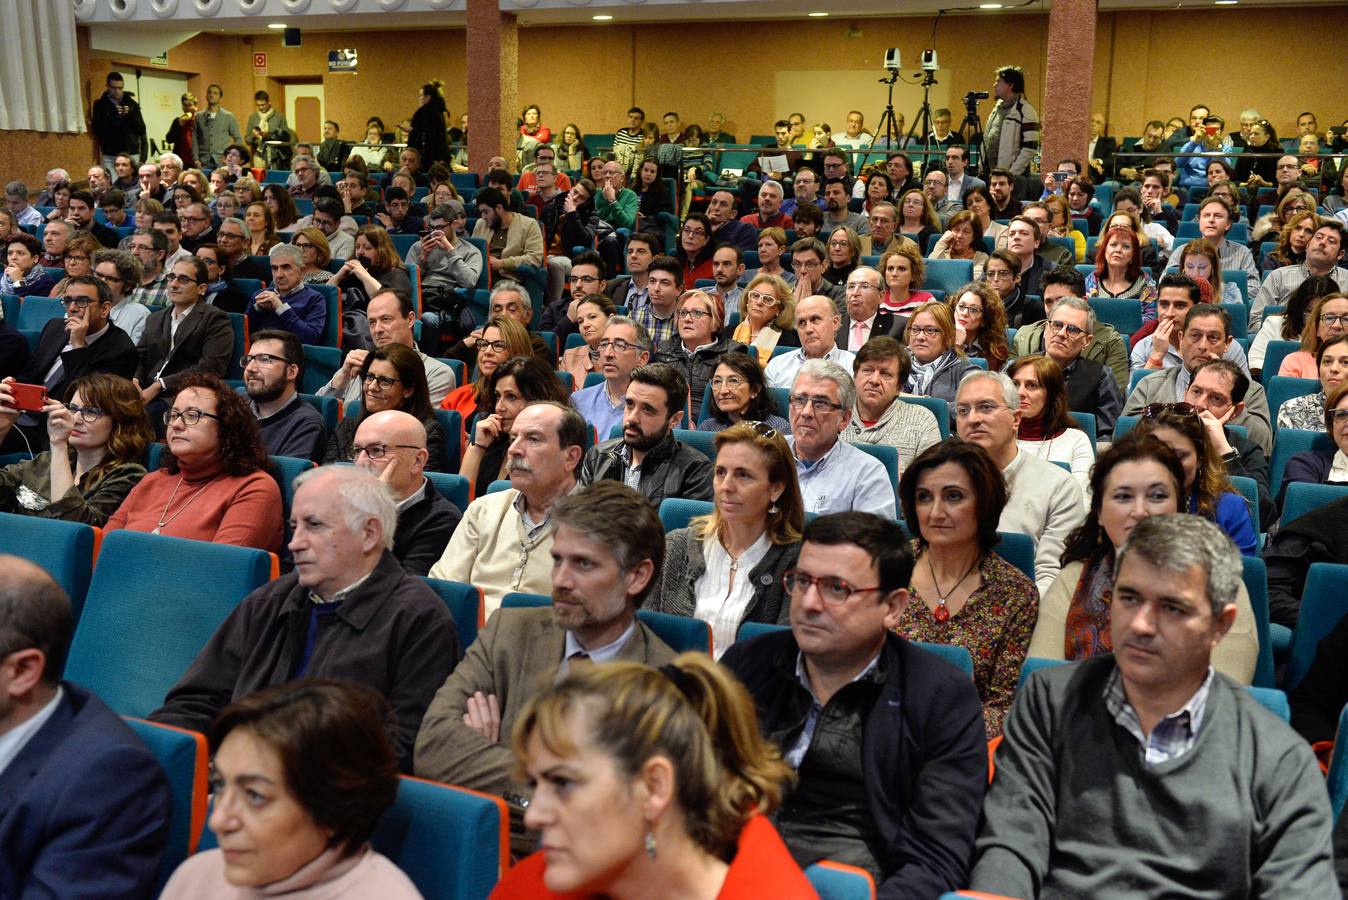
971, 131
923, 118
889, 126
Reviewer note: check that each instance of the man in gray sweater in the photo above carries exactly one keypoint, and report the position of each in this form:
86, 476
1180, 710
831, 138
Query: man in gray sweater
1145, 773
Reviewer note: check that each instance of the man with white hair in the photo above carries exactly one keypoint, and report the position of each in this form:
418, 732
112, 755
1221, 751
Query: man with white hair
834, 475
55, 178
1044, 500
100, 182
170, 169
288, 303
392, 445
348, 611
769, 213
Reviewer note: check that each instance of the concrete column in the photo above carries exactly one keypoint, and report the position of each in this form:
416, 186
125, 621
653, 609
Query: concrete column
493, 83
1066, 112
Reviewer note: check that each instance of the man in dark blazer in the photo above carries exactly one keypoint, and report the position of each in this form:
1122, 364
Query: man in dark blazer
1100, 151
465, 736
84, 806
392, 445
83, 342
892, 771
863, 318
186, 336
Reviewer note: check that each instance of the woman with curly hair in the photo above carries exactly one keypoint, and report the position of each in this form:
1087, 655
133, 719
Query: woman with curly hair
97, 440
214, 483
1293, 239
980, 324
1047, 429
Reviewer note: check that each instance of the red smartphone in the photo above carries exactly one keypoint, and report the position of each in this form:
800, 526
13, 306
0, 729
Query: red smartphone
1212, 130
29, 397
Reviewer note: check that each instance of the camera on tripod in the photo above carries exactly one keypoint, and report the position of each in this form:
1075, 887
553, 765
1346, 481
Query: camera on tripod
974, 96
892, 59
929, 63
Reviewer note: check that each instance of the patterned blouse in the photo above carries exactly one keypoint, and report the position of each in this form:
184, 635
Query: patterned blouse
1143, 290
994, 625
1305, 413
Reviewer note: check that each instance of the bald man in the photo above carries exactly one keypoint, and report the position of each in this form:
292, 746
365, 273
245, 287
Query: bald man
85, 809
392, 445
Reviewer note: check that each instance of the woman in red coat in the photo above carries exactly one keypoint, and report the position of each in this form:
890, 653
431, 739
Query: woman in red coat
651, 783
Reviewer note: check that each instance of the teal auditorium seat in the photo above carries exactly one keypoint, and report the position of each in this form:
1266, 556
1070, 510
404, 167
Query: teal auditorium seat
1338, 767
1303, 497
682, 633
465, 605
839, 881
173, 607
676, 513
183, 754
1018, 550
64, 549
1323, 603
1255, 575
454, 488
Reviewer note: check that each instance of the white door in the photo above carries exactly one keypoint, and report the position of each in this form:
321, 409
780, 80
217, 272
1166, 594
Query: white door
304, 111
160, 97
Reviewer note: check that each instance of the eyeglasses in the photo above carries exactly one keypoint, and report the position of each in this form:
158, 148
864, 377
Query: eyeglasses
1152, 410
584, 279
498, 346
694, 232
194, 218
835, 591
822, 404
928, 330
1072, 330
1338, 416
109, 277
862, 286
968, 309
76, 257
618, 345
190, 416
262, 359
383, 381
305, 245
997, 275
181, 279
760, 297
77, 302
1333, 319
229, 235
693, 314
379, 451
87, 414
982, 407
730, 381
762, 429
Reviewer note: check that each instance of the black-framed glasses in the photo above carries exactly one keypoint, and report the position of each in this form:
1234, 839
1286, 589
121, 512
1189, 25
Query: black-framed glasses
1152, 410
86, 414
262, 359
190, 416
584, 279
498, 346
1337, 416
384, 381
379, 451
77, 302
823, 404
927, 330
176, 278
112, 277
692, 314
1333, 319
617, 344
835, 591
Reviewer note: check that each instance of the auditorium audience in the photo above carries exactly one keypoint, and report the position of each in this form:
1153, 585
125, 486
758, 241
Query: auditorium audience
703, 831
887, 740
953, 496
214, 481
514, 384
1121, 724
501, 338
881, 416
623, 347
271, 371
23, 275
698, 346
1215, 217
393, 378
97, 442
1047, 430
754, 526
261, 224
602, 557
963, 239
301, 774
862, 317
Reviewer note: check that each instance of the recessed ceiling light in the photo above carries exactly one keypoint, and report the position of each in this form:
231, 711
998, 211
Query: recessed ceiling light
818, 15
989, 6
277, 26
602, 18
1224, 2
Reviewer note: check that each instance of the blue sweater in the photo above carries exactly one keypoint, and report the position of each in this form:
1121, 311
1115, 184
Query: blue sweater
306, 317
1233, 516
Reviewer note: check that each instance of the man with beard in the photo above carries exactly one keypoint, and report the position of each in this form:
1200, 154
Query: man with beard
271, 373
1000, 185
647, 457
605, 556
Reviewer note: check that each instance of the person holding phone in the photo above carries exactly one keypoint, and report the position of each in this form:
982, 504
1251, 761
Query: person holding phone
96, 440
1211, 140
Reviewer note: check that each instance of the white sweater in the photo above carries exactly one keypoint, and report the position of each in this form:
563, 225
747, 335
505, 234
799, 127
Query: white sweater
1046, 504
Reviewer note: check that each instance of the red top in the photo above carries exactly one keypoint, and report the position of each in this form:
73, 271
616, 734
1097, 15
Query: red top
244, 510
543, 135
693, 274
762, 868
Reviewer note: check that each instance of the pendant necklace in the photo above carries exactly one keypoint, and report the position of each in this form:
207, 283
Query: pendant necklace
164, 517
941, 613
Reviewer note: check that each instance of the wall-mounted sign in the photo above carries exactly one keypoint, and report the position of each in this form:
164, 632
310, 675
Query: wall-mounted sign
260, 63
342, 61
161, 60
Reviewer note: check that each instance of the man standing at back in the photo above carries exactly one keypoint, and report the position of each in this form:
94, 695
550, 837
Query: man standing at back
216, 129
86, 807
1012, 134
605, 557
887, 740
117, 122
1155, 753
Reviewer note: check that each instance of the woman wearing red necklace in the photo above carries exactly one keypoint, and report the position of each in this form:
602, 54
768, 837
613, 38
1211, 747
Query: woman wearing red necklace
962, 592
214, 483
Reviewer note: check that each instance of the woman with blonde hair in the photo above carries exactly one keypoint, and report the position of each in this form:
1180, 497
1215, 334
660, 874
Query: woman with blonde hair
674, 759
1293, 239
1199, 259
196, 179
316, 253
726, 567
1060, 223
502, 338
1328, 320
146, 209
248, 191
844, 254
903, 270
767, 315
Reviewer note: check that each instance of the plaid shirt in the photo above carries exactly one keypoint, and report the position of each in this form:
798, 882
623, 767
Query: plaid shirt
659, 329
154, 294
1174, 735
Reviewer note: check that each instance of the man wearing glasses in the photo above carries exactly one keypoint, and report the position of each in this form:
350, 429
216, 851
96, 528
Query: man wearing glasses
306, 178
233, 238
1323, 255
1091, 387
120, 271
834, 475
1044, 500
392, 446
187, 336
271, 373
83, 342
887, 740
545, 156
623, 348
